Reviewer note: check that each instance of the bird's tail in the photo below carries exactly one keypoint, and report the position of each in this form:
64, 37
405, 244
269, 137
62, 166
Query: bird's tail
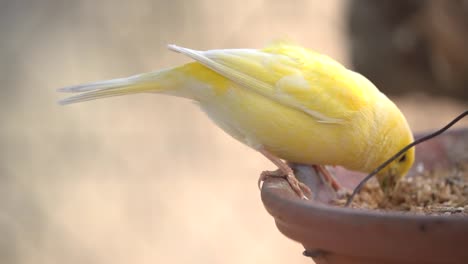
146, 82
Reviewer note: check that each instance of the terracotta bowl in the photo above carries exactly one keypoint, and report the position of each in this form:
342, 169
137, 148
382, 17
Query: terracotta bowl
332, 234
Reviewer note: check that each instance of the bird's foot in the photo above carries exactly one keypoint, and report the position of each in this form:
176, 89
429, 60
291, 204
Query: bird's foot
327, 178
343, 193
298, 187
284, 171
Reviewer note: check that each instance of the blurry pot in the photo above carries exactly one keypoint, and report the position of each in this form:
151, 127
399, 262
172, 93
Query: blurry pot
332, 234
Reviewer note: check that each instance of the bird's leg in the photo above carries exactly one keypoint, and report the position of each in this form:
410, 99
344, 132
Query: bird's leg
330, 180
284, 171
327, 177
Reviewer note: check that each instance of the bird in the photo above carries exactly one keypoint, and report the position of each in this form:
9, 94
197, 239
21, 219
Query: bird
289, 103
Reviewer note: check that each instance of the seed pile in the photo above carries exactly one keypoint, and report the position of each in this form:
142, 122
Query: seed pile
438, 192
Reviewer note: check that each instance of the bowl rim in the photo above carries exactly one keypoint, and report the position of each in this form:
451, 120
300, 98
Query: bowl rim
276, 200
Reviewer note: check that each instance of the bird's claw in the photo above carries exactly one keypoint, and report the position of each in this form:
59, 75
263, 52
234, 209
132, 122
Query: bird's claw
299, 188
343, 193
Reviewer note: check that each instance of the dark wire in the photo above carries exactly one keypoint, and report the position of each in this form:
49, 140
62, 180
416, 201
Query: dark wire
383, 165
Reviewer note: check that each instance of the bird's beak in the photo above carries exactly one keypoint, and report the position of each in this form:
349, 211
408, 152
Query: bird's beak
388, 183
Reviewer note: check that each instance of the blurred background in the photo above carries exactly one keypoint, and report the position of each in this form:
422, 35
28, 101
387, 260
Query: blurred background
148, 178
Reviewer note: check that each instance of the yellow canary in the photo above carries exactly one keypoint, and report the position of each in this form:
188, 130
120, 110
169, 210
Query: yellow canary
285, 101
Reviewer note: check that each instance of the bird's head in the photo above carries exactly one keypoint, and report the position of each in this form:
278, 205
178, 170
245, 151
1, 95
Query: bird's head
396, 135
395, 171
388, 133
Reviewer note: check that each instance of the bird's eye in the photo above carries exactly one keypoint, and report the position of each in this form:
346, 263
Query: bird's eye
402, 159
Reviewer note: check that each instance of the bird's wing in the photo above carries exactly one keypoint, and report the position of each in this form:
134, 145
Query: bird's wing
290, 75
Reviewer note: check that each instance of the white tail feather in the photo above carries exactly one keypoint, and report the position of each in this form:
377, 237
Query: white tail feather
115, 87
87, 87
